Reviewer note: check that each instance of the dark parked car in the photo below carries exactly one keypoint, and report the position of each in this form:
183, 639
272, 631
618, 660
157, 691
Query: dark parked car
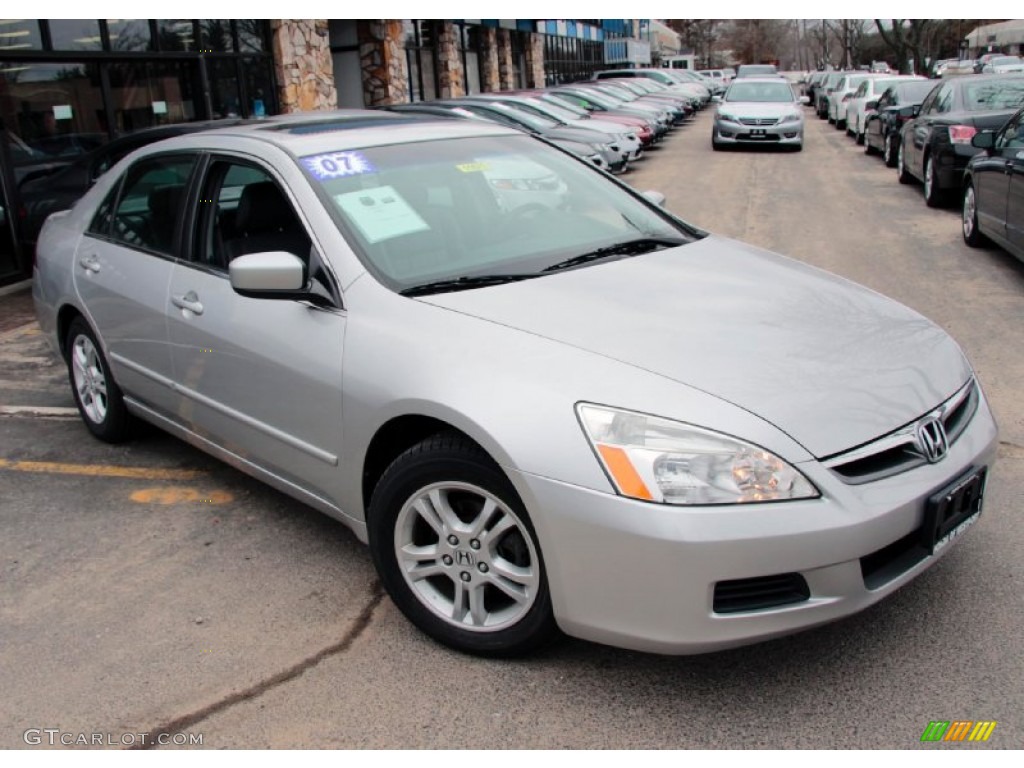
894, 108
823, 90
57, 190
936, 145
993, 199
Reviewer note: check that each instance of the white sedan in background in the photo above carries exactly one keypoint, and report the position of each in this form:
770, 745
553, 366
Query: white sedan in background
869, 90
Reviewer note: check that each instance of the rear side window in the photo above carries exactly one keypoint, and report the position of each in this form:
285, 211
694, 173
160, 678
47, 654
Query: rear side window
149, 211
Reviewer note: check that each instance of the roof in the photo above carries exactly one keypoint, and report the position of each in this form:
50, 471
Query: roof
1001, 33
331, 131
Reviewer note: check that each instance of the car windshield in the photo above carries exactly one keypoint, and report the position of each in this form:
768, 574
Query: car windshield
993, 94
760, 92
468, 208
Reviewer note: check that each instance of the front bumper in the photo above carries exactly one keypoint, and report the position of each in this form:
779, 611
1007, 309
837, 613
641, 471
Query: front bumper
643, 576
728, 132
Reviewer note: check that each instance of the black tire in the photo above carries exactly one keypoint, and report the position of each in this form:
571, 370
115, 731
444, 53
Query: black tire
934, 195
99, 399
868, 149
969, 218
904, 176
859, 138
462, 478
716, 146
889, 153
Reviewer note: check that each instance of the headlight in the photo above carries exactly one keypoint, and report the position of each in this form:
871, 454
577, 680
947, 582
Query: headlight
791, 117
727, 117
665, 461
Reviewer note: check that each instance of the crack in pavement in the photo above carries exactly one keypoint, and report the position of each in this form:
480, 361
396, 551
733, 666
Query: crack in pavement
179, 724
1008, 450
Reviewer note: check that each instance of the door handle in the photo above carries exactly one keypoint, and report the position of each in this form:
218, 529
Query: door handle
90, 263
189, 301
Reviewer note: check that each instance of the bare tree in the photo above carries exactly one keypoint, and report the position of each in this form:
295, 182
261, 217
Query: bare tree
911, 40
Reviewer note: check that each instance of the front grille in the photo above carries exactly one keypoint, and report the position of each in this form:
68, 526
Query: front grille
756, 594
759, 120
898, 451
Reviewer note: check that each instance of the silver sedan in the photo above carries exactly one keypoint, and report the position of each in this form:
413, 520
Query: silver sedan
544, 402
759, 111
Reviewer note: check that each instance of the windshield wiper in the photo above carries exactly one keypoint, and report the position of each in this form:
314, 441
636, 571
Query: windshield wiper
628, 248
465, 283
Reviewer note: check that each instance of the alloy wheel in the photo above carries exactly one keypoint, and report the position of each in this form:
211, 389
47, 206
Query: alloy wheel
90, 379
467, 557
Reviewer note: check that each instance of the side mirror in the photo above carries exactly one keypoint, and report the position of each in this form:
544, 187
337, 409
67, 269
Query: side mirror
654, 196
269, 275
805, 100
984, 140
915, 110
871, 105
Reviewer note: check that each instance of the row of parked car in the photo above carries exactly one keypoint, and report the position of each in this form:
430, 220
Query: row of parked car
962, 138
611, 121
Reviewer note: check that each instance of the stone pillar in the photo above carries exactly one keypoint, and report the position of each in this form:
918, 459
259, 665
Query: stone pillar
534, 75
302, 63
506, 67
382, 57
451, 77
490, 78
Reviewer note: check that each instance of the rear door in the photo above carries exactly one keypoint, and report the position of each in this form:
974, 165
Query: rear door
259, 377
123, 268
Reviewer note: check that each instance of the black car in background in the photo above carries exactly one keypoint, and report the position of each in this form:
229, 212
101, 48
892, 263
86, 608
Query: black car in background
46, 192
993, 197
935, 145
892, 109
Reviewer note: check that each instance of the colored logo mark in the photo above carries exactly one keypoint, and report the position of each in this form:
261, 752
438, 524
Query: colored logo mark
958, 730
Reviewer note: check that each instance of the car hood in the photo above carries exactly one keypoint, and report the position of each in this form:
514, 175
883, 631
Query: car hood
831, 363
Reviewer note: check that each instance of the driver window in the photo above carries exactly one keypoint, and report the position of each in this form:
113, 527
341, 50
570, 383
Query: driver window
243, 210
1012, 136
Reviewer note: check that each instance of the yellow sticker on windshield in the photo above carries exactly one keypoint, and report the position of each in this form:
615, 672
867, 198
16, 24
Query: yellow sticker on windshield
472, 167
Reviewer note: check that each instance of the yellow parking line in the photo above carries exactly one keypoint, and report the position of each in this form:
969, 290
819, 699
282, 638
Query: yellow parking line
101, 470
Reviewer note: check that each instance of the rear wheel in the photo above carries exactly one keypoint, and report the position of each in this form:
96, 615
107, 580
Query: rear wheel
889, 152
934, 195
456, 551
96, 394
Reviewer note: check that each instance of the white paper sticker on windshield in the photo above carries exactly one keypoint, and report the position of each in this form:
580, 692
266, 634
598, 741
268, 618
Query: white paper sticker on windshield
380, 213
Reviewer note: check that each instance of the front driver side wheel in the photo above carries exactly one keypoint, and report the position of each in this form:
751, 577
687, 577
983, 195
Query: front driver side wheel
972, 235
456, 551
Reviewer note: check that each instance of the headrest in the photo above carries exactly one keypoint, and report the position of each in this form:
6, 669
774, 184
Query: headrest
263, 208
164, 201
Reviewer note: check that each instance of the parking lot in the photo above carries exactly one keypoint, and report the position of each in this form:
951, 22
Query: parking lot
148, 588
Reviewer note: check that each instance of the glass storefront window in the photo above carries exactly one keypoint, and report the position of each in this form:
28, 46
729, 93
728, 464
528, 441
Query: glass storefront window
259, 86
49, 113
176, 35
129, 35
75, 35
224, 94
152, 93
215, 36
19, 35
252, 35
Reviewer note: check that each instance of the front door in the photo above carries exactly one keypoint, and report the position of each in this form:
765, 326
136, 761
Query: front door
259, 377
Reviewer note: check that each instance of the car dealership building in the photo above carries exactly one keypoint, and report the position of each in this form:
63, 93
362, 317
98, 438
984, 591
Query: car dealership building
69, 85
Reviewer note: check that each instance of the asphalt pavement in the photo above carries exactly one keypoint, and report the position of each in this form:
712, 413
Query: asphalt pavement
147, 588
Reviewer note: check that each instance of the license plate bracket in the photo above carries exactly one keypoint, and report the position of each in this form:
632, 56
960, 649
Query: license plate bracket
949, 509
